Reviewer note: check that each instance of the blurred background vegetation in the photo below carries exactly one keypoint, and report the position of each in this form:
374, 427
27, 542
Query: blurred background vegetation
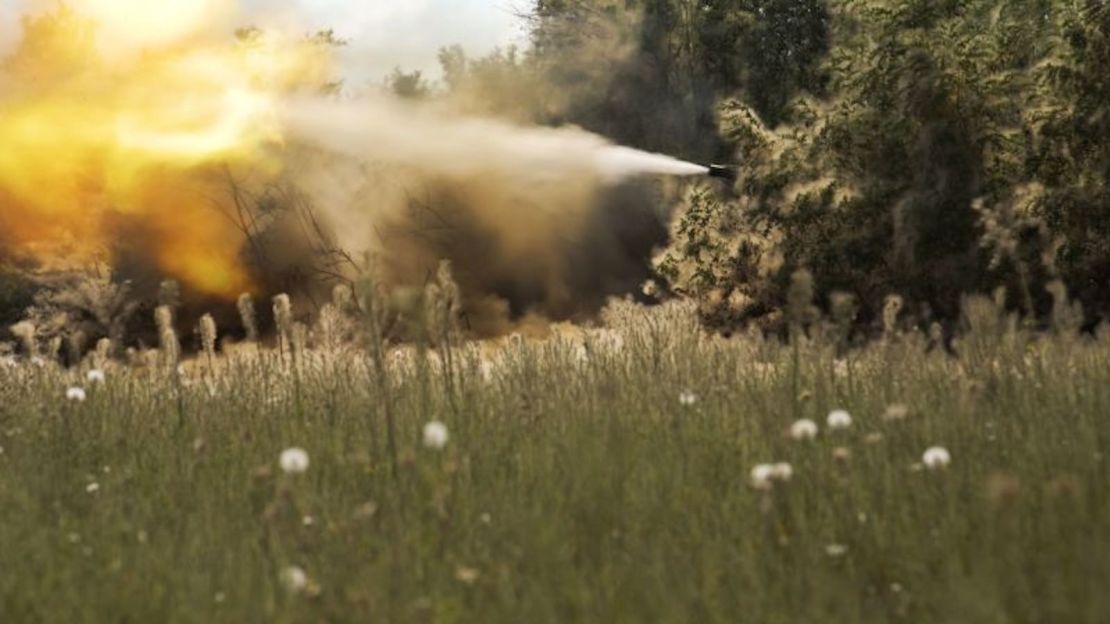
920, 148
929, 149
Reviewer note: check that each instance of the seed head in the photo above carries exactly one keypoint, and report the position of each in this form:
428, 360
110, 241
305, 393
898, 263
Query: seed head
294, 461
76, 394
435, 435
782, 472
295, 579
936, 458
804, 429
247, 316
839, 419
763, 476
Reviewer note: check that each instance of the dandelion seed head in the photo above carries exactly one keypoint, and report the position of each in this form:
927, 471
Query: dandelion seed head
76, 394
295, 579
92, 488
804, 429
95, 376
435, 435
836, 550
763, 476
294, 460
936, 458
687, 398
782, 472
839, 419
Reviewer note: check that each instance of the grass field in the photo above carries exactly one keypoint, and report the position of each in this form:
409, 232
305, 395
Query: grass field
597, 476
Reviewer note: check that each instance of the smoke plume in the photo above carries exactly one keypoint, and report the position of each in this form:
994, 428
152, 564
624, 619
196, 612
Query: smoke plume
231, 168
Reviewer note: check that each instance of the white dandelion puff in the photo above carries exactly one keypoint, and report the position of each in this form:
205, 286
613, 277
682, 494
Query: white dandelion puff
839, 419
936, 458
782, 472
92, 488
804, 429
295, 579
687, 398
95, 376
75, 394
435, 435
836, 550
763, 476
294, 461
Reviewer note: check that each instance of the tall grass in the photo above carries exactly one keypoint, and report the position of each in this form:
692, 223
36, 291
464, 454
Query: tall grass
596, 476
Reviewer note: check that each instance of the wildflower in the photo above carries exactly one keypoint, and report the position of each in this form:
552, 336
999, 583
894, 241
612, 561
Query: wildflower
295, 579
248, 317
208, 333
467, 575
75, 394
804, 429
896, 412
294, 461
95, 376
873, 438
836, 550
782, 472
936, 458
687, 398
842, 454
435, 435
763, 476
92, 488
308, 521
839, 419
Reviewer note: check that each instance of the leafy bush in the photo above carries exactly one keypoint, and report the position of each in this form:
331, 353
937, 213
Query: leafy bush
959, 146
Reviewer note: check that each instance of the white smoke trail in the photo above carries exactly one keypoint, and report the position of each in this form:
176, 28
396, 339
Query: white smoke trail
401, 133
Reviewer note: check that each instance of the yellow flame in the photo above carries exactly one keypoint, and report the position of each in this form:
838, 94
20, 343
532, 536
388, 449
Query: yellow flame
93, 148
145, 23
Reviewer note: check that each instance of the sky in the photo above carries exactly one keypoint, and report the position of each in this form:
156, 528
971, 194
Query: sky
383, 34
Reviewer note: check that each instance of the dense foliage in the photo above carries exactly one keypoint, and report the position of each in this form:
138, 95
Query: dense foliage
922, 148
